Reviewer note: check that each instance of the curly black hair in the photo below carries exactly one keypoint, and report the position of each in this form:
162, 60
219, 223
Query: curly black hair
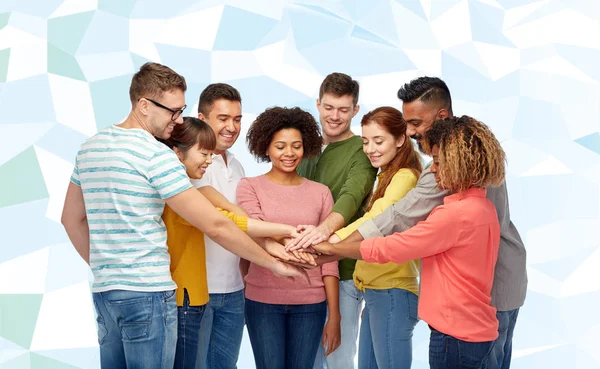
261, 132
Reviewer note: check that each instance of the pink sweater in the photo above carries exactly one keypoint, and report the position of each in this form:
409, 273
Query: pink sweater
308, 203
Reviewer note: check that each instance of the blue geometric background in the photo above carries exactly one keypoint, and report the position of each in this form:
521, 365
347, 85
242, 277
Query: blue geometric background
527, 68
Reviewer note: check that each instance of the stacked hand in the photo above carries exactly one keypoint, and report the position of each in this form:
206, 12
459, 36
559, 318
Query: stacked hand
297, 257
309, 235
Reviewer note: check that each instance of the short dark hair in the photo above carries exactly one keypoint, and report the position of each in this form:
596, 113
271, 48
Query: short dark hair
428, 90
261, 132
153, 80
340, 84
192, 132
214, 92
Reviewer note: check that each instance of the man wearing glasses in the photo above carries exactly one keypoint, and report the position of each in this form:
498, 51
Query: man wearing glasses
112, 214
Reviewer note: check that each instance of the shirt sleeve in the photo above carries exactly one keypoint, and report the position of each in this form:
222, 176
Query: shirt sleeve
406, 213
402, 182
240, 221
436, 234
359, 183
327, 205
167, 175
328, 269
247, 199
75, 175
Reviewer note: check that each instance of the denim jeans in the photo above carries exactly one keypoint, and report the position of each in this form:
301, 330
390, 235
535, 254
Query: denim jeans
188, 333
502, 351
285, 336
447, 352
351, 299
388, 321
221, 331
136, 329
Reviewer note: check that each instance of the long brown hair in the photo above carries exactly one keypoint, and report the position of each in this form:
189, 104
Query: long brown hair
392, 121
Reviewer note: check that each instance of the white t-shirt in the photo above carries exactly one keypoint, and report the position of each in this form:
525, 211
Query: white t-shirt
222, 266
125, 176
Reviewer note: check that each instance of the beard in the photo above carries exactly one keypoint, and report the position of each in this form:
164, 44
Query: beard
417, 138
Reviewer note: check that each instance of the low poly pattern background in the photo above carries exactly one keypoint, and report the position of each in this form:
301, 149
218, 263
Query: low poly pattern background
527, 68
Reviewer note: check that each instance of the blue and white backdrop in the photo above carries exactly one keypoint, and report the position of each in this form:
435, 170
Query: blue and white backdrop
527, 68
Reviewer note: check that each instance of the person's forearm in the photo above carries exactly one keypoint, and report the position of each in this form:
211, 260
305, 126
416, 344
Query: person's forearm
231, 238
332, 291
258, 228
354, 237
324, 259
347, 250
332, 223
79, 234
244, 267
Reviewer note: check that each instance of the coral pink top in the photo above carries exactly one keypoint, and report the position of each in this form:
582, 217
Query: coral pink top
458, 244
308, 203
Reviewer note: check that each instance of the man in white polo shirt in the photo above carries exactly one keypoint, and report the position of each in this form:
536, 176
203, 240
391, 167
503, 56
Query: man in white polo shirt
222, 326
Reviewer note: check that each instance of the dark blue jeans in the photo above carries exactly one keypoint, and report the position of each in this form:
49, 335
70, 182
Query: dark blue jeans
188, 333
285, 336
136, 330
447, 352
502, 351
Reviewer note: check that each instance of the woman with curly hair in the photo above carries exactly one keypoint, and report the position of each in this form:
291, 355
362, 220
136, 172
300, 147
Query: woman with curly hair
285, 318
457, 243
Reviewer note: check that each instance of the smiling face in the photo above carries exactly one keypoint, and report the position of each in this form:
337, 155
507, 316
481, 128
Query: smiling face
286, 150
195, 160
159, 119
335, 115
225, 119
419, 117
379, 145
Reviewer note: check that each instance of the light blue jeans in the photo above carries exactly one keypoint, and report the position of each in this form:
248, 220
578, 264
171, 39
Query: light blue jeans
221, 331
351, 299
136, 330
388, 322
502, 351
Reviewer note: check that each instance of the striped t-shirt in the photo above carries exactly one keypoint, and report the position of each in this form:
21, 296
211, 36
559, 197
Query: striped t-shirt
125, 176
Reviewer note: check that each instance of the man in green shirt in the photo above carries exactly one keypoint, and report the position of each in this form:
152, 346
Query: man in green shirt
345, 169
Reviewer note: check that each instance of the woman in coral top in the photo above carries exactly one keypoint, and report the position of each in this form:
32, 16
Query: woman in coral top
285, 318
458, 244
193, 142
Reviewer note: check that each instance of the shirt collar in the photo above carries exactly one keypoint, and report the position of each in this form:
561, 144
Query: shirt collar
471, 192
228, 154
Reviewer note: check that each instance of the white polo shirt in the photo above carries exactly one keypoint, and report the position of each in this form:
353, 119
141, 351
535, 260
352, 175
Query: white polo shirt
222, 266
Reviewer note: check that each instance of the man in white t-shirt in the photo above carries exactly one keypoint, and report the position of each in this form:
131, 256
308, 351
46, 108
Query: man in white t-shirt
222, 325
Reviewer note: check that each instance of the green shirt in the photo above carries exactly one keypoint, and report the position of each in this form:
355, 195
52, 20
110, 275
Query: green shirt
346, 170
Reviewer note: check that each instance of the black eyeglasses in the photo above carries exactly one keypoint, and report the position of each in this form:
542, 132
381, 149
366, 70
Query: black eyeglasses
176, 113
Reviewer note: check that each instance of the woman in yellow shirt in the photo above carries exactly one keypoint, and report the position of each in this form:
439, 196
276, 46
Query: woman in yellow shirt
390, 290
193, 142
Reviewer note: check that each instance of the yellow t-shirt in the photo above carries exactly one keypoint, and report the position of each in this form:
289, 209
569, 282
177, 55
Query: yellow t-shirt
188, 255
390, 275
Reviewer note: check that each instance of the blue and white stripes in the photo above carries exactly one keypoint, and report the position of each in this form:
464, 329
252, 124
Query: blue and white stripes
125, 176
